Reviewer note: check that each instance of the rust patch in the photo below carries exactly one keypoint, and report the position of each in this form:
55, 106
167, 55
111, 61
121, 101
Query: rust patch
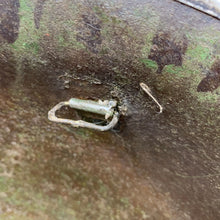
38, 12
166, 50
9, 20
212, 80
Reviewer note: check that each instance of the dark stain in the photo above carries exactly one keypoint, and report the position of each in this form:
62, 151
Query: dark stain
7, 69
166, 50
9, 20
90, 32
212, 80
38, 12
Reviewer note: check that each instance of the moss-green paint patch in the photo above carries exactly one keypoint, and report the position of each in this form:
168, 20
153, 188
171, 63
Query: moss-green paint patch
200, 53
174, 69
149, 63
33, 46
28, 39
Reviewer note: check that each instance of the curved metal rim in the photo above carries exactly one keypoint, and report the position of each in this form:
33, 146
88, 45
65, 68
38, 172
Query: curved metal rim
205, 8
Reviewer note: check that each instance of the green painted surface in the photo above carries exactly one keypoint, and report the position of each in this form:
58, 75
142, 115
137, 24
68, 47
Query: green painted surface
68, 44
62, 23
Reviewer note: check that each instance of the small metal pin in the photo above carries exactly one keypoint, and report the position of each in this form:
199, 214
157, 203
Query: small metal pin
148, 91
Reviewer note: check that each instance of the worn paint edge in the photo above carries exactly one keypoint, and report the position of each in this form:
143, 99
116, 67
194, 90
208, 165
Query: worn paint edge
198, 7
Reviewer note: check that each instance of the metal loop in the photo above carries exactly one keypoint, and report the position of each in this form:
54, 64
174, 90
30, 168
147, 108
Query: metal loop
80, 123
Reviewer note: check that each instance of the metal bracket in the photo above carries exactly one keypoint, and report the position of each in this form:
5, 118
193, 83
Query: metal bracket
105, 108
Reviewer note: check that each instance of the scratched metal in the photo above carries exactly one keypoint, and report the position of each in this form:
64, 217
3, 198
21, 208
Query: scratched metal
211, 7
